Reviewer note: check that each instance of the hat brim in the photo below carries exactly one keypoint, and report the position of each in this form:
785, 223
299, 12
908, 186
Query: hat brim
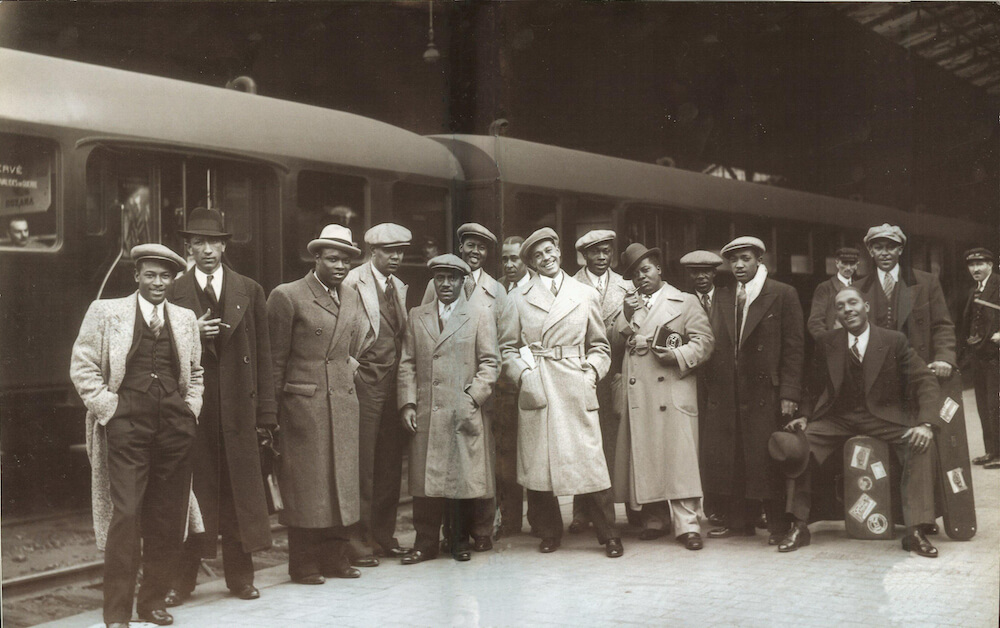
527, 247
583, 247
792, 469
322, 243
206, 234
628, 272
178, 263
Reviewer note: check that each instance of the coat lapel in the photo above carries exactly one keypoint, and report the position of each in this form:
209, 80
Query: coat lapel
874, 357
536, 294
459, 316
906, 295
836, 353
429, 319
666, 308
120, 343
724, 306
369, 295
757, 309
562, 304
235, 301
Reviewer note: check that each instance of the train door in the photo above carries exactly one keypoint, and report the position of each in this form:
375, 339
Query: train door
673, 231
424, 209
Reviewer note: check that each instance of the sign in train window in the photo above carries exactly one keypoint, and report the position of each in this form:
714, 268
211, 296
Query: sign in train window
27, 210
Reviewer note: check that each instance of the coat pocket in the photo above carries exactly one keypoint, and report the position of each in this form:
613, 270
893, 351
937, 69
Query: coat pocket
590, 391
306, 390
685, 397
532, 394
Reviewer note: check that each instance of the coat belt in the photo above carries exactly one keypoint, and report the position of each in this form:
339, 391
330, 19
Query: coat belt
559, 352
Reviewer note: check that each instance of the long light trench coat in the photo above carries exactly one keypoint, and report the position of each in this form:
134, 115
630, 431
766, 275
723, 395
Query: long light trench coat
559, 445
442, 372
657, 454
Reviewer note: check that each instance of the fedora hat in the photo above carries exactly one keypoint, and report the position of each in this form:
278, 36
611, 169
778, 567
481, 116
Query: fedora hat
205, 222
334, 236
791, 451
635, 253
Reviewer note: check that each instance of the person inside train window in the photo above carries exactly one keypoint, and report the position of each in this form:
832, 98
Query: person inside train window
19, 235
822, 314
430, 249
908, 300
851, 399
515, 273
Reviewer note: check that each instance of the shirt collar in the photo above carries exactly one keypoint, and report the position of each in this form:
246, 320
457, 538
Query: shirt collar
379, 277
862, 339
548, 281
146, 308
710, 293
653, 297
322, 285
444, 311
982, 284
523, 280
844, 280
476, 275
894, 272
217, 276
594, 279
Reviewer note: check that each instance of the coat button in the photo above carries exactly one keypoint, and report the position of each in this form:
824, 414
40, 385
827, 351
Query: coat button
631, 380
246, 359
662, 408
436, 356
761, 403
329, 391
319, 332
760, 348
253, 394
350, 391
436, 383
660, 378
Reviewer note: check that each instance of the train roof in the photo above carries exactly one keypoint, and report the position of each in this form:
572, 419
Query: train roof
543, 166
110, 102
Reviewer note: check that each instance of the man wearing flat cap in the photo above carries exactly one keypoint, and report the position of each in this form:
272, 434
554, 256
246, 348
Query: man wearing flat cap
908, 300
383, 438
754, 389
822, 315
598, 248
137, 366
556, 350
238, 409
981, 349
316, 327
448, 367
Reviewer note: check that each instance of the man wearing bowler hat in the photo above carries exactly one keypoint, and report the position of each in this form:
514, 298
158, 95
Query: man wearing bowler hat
238, 410
137, 366
383, 438
981, 349
316, 326
754, 389
556, 351
598, 249
822, 315
863, 379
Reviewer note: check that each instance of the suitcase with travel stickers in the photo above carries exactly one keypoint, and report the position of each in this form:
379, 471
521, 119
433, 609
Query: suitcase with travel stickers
954, 495
868, 511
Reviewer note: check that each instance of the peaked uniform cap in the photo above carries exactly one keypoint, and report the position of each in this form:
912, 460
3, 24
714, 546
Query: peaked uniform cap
157, 252
744, 242
593, 237
886, 231
336, 237
545, 233
701, 259
388, 234
848, 254
476, 229
978, 254
449, 261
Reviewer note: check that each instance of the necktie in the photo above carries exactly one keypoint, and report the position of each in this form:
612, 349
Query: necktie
441, 318
470, 285
855, 353
155, 323
555, 288
706, 303
646, 298
213, 298
390, 296
335, 295
741, 302
888, 285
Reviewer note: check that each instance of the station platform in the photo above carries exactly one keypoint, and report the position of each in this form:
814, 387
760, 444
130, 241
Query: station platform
732, 582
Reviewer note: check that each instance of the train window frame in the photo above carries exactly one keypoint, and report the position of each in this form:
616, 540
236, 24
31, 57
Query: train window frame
301, 241
55, 197
414, 256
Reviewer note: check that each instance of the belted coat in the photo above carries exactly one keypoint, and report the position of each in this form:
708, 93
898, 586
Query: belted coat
559, 444
314, 347
448, 375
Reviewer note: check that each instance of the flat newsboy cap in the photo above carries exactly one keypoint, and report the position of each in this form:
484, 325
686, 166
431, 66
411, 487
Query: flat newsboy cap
978, 254
388, 234
847, 254
205, 222
545, 233
449, 261
157, 252
334, 237
635, 253
593, 237
476, 229
744, 242
701, 259
791, 451
887, 231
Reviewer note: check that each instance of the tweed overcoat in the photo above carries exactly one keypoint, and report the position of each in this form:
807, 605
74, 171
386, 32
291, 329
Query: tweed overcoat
449, 374
314, 346
97, 368
559, 446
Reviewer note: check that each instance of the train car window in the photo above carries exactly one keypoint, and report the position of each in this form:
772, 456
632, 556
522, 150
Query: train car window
423, 209
27, 209
532, 212
590, 214
795, 248
327, 198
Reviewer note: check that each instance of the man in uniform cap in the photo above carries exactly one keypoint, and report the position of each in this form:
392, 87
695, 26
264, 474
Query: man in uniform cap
383, 438
908, 300
316, 327
137, 367
238, 410
598, 248
754, 389
556, 351
981, 349
822, 314
442, 404
702, 266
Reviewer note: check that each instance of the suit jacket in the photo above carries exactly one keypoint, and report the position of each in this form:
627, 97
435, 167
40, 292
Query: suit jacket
315, 343
97, 368
899, 388
363, 280
922, 313
448, 374
238, 367
988, 322
612, 300
822, 313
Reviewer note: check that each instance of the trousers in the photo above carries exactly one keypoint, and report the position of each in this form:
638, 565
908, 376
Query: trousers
382, 441
544, 506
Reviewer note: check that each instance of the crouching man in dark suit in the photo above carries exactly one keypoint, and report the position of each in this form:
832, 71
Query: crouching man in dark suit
870, 381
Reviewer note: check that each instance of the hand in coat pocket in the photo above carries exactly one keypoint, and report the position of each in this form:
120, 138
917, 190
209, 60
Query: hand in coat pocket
471, 424
532, 394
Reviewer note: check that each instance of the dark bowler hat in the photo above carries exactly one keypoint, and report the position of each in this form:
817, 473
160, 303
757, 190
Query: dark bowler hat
791, 451
847, 254
205, 222
978, 254
635, 253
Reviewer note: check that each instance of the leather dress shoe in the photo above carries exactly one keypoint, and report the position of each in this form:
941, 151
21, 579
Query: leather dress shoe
775, 538
399, 552
649, 534
576, 527
930, 528
726, 532
342, 571
117, 624
482, 544
691, 540
717, 520
175, 598
613, 548
797, 537
364, 561
915, 541
246, 592
416, 556
313, 578
547, 546
762, 521
992, 464
462, 555
158, 617
984, 459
